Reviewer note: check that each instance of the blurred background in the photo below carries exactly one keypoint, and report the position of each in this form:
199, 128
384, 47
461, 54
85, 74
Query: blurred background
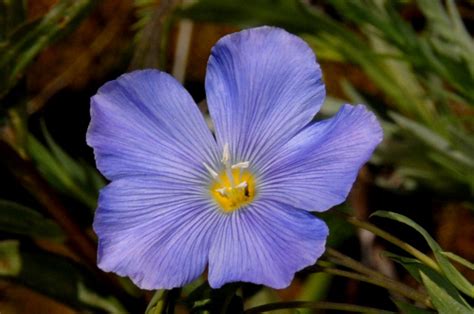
411, 62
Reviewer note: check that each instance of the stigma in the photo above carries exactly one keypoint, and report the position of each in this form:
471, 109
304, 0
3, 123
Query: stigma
233, 186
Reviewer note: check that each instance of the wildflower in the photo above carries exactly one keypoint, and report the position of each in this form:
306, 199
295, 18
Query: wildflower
181, 200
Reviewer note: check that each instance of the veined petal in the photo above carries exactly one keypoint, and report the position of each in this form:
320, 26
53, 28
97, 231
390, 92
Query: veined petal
265, 243
263, 85
146, 123
316, 169
155, 231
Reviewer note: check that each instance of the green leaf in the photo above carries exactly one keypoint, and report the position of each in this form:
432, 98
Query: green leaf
10, 261
20, 49
290, 14
74, 178
442, 301
415, 267
151, 33
156, 303
92, 298
204, 299
448, 269
12, 14
459, 259
448, 33
61, 157
21, 220
429, 137
60, 278
407, 308
163, 302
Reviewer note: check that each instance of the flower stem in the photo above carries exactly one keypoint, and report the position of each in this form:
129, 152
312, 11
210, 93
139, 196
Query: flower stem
425, 259
385, 282
230, 293
368, 275
314, 305
344, 260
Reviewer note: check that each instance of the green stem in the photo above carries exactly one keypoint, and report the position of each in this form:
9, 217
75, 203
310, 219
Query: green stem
425, 259
315, 305
338, 258
228, 297
344, 260
171, 299
386, 283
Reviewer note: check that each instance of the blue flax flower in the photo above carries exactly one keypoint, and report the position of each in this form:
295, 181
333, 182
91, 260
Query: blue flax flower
239, 203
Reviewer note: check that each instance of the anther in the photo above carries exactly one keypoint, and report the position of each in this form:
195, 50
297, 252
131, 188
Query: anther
241, 185
222, 191
241, 165
233, 186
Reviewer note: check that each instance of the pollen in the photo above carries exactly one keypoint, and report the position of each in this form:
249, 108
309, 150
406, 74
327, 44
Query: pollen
234, 186
233, 190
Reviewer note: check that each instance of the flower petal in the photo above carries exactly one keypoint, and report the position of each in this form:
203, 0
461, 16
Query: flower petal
145, 122
265, 243
263, 85
316, 169
154, 230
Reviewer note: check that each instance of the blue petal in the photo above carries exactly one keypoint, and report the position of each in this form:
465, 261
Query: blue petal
316, 169
146, 123
154, 230
263, 85
265, 243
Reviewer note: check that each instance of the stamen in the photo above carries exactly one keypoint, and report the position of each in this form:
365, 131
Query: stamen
211, 171
241, 185
234, 185
221, 191
226, 155
241, 165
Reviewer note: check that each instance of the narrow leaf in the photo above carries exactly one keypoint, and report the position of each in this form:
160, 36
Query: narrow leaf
12, 14
443, 302
156, 303
448, 269
21, 220
59, 278
407, 308
10, 261
459, 259
20, 49
74, 178
415, 267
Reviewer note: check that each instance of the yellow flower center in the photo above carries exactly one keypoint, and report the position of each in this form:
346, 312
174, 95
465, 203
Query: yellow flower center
233, 189
234, 186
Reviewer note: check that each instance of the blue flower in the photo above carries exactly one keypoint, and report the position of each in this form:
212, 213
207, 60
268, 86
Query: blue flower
239, 204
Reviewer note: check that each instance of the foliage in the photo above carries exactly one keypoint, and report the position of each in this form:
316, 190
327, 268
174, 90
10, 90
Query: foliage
152, 31
66, 281
423, 78
21, 220
22, 41
76, 179
444, 283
